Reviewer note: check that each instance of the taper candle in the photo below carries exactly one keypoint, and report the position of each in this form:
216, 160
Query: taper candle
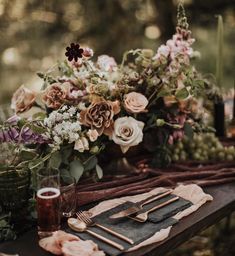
219, 61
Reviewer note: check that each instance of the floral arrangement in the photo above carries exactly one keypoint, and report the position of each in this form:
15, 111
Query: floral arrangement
150, 99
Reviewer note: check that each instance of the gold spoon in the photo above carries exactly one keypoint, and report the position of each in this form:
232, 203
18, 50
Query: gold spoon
81, 226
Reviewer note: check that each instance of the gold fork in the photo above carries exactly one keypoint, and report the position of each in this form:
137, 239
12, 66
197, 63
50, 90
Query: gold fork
90, 222
142, 217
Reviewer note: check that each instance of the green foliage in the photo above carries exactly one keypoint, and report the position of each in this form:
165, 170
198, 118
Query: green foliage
76, 169
27, 154
37, 128
48, 79
161, 157
164, 91
90, 163
99, 171
39, 116
181, 17
65, 69
6, 229
65, 154
182, 94
55, 160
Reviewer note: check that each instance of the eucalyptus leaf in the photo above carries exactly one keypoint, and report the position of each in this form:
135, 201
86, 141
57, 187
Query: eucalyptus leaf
64, 172
76, 169
182, 94
199, 83
55, 160
90, 164
37, 129
99, 171
163, 92
37, 163
39, 115
27, 154
65, 154
21, 123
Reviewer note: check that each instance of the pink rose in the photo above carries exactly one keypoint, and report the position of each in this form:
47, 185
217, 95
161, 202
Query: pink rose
87, 52
22, 99
135, 102
106, 63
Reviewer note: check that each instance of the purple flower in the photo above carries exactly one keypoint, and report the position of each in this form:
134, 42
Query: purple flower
13, 120
25, 136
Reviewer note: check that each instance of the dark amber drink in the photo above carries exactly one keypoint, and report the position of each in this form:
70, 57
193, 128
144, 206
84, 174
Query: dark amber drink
48, 210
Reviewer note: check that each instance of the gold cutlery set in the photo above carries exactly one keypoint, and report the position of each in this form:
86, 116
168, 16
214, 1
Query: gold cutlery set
135, 212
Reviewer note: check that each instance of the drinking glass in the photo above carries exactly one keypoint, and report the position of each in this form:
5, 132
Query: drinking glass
14, 190
48, 201
68, 196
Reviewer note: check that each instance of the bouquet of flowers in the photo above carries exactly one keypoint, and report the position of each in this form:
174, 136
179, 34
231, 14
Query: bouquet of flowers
150, 99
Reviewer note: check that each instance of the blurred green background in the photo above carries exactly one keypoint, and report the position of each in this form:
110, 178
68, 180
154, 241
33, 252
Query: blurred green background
34, 33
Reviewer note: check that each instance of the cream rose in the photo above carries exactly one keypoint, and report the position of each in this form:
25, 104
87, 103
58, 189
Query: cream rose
127, 132
81, 145
135, 102
22, 99
92, 135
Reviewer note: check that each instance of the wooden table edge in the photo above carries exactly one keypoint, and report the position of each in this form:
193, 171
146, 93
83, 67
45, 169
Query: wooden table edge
172, 242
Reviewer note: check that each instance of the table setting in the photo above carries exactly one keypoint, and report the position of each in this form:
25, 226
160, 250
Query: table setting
118, 225
108, 158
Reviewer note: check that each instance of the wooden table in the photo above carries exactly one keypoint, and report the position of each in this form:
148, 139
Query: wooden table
209, 214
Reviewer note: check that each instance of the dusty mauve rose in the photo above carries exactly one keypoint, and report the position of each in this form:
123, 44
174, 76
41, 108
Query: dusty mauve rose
22, 99
99, 115
54, 96
127, 132
135, 102
72, 92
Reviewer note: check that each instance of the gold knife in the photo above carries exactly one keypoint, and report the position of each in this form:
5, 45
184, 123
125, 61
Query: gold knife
136, 207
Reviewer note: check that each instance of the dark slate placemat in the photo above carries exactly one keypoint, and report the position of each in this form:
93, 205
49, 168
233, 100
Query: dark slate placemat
168, 210
138, 232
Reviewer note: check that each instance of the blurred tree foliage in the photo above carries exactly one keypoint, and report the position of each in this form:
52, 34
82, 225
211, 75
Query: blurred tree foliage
34, 33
